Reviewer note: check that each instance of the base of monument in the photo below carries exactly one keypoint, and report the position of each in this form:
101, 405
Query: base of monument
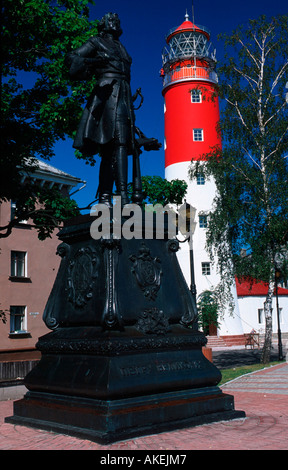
115, 420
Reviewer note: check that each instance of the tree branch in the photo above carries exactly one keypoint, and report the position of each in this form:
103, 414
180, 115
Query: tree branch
251, 158
247, 78
278, 144
249, 53
276, 112
276, 81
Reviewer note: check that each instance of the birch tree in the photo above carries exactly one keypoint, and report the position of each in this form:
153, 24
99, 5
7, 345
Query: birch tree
250, 209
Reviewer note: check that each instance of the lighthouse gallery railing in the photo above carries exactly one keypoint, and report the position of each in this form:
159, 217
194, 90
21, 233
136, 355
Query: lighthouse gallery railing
189, 73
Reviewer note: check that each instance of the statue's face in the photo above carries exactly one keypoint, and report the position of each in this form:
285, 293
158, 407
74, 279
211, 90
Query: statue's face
113, 24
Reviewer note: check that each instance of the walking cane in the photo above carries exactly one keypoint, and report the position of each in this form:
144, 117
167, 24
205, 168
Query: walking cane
137, 196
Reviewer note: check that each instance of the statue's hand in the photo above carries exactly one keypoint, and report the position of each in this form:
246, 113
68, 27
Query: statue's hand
149, 144
152, 144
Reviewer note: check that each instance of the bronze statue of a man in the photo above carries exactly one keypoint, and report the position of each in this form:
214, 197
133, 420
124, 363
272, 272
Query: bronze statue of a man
107, 126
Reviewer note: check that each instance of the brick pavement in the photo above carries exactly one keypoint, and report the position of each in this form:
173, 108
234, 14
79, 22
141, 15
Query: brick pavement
262, 395
271, 380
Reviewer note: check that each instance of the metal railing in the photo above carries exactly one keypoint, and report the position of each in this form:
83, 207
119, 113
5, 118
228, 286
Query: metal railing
189, 73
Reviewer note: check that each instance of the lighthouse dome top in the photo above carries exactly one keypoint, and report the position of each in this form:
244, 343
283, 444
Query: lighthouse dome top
188, 42
187, 26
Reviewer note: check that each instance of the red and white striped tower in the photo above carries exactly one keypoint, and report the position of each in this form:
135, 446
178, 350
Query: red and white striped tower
189, 90
191, 116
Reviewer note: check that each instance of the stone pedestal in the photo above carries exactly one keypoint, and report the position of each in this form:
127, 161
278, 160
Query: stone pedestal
125, 356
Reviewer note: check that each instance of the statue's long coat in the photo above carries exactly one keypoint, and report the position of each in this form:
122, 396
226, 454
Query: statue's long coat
105, 59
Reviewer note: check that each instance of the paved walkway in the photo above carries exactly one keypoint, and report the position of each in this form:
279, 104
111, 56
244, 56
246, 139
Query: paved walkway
262, 395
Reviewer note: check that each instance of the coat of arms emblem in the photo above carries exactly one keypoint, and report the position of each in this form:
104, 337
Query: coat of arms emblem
82, 273
147, 271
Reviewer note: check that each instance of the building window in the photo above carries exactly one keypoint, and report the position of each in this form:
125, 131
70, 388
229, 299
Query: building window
13, 213
203, 221
200, 179
18, 264
198, 135
13, 210
196, 96
17, 319
260, 315
206, 269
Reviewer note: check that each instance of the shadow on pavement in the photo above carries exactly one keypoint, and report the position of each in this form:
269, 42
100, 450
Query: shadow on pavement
240, 357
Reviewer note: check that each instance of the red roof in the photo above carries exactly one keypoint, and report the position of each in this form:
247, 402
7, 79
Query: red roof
246, 289
188, 26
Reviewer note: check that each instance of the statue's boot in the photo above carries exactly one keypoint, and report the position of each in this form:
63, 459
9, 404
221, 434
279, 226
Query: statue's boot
105, 181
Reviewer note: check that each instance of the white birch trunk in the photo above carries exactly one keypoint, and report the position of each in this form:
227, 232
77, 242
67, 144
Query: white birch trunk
266, 351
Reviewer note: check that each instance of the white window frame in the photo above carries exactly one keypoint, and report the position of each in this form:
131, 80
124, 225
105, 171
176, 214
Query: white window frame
13, 211
203, 221
261, 317
206, 268
198, 135
201, 179
15, 268
195, 94
22, 312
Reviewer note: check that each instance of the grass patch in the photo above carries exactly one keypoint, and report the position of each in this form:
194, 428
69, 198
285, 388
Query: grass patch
230, 374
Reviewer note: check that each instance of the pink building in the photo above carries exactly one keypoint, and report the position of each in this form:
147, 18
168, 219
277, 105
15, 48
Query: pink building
28, 268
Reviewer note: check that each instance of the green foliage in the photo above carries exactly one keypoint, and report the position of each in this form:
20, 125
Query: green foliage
157, 190
52, 209
36, 36
45, 208
231, 374
208, 310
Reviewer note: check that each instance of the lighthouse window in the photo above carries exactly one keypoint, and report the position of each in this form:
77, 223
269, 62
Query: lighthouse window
200, 179
196, 96
203, 221
206, 269
198, 135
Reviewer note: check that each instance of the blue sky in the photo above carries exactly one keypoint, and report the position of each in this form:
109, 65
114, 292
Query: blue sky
145, 24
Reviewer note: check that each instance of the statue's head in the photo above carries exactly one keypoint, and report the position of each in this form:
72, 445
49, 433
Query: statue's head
110, 23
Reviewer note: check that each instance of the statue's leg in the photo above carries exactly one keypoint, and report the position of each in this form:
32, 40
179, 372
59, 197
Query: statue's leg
121, 157
106, 179
121, 173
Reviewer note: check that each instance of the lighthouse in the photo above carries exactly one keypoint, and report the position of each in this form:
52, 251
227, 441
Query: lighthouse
191, 116
189, 90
